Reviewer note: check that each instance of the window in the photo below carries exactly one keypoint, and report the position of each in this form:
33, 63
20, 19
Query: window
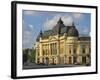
74, 59
89, 50
38, 54
70, 60
83, 50
43, 52
53, 48
43, 60
83, 47
69, 49
83, 59
38, 60
62, 60
74, 50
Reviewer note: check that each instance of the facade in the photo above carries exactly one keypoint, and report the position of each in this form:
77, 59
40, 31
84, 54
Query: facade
63, 45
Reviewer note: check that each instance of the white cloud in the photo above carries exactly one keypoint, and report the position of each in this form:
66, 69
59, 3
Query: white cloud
49, 24
27, 35
77, 15
31, 26
29, 12
67, 20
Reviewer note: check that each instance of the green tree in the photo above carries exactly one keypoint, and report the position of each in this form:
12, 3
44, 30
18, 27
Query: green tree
25, 55
29, 55
33, 53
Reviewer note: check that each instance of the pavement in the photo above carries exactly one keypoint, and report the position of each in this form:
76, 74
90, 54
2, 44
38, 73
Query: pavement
40, 66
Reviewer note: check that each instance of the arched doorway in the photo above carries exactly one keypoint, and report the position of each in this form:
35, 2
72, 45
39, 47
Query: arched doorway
70, 60
84, 59
53, 61
74, 60
46, 60
43, 60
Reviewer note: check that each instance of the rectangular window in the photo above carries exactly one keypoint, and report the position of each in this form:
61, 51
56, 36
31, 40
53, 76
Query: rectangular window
83, 50
74, 51
69, 49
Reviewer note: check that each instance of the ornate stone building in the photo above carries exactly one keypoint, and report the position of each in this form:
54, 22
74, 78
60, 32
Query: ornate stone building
62, 45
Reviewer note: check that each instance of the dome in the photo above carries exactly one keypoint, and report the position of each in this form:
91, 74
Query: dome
73, 32
57, 29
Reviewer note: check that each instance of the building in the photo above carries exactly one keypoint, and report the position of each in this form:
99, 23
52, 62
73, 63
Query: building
63, 45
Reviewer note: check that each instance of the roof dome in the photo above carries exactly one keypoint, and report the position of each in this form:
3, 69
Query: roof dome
73, 32
57, 28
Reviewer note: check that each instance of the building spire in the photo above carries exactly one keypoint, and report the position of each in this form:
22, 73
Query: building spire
41, 33
73, 25
60, 21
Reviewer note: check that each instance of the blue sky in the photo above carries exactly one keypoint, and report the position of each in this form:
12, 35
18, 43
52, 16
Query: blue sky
35, 21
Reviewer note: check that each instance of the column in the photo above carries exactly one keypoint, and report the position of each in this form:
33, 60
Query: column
65, 51
58, 52
72, 54
40, 52
36, 55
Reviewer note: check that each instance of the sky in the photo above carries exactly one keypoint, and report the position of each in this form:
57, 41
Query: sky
35, 21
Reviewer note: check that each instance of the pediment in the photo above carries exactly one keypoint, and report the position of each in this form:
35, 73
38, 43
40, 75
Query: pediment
52, 38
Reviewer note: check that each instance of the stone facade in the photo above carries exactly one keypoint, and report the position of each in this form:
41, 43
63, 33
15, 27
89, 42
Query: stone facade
62, 45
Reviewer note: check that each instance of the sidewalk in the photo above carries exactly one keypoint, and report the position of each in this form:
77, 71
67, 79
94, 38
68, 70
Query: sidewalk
37, 66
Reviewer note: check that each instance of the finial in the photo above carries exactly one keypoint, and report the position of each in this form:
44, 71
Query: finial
73, 23
60, 19
41, 32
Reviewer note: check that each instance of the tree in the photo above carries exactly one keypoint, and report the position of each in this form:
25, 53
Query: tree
25, 55
29, 55
33, 53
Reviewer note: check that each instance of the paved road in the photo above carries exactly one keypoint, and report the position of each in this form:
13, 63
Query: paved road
37, 66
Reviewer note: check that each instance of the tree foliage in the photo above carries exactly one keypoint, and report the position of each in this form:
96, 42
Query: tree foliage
29, 55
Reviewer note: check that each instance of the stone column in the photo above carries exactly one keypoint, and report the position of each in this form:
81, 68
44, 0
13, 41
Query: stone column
72, 53
40, 52
36, 56
48, 49
37, 50
65, 50
58, 51
79, 54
